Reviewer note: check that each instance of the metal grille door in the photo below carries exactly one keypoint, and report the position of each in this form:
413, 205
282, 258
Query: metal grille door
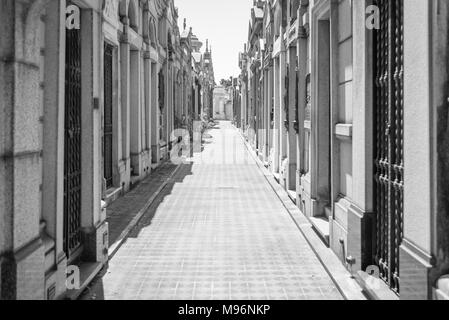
296, 107
108, 119
72, 148
389, 139
286, 98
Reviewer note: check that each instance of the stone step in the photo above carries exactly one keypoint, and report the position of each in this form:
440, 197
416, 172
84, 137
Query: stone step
292, 195
321, 226
88, 271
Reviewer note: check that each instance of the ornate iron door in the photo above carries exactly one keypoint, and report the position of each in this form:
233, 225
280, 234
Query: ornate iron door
161, 83
72, 148
389, 140
296, 107
108, 119
286, 98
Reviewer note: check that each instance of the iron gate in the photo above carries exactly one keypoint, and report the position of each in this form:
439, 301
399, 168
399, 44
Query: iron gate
108, 119
296, 107
72, 148
389, 139
286, 97
161, 82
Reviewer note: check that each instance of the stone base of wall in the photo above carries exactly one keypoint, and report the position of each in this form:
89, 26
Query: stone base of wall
298, 190
306, 199
291, 176
360, 238
415, 271
96, 244
125, 175
55, 281
155, 154
23, 273
136, 164
8, 277
338, 239
283, 174
146, 162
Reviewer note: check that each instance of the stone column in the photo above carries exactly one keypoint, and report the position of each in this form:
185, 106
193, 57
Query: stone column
22, 263
425, 88
135, 113
302, 101
94, 227
292, 137
125, 102
53, 146
320, 170
277, 118
148, 99
359, 243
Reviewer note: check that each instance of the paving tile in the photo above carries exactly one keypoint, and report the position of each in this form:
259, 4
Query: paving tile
217, 231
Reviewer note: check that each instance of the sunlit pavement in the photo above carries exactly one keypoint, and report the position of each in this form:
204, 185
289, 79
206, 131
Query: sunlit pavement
217, 231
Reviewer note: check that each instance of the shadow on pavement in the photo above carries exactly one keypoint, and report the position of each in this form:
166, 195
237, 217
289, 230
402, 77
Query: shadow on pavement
184, 171
95, 290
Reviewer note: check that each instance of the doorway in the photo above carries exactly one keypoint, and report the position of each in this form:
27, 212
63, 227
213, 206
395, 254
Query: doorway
108, 116
72, 145
389, 140
322, 122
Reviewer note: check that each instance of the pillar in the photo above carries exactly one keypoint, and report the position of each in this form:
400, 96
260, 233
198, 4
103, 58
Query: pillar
125, 103
292, 150
135, 113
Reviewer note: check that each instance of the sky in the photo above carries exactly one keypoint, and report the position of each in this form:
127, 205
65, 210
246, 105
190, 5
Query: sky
224, 23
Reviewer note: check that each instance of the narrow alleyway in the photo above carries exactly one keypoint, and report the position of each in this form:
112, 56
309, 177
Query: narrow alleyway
217, 231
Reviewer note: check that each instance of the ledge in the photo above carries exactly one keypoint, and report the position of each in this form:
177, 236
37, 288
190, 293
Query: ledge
308, 125
88, 271
343, 131
112, 194
321, 227
375, 287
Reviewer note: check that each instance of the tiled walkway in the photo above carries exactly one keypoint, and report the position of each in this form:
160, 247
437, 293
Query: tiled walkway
122, 211
217, 231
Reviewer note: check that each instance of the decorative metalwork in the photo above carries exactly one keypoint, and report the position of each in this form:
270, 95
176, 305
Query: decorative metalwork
108, 115
72, 149
161, 90
389, 139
